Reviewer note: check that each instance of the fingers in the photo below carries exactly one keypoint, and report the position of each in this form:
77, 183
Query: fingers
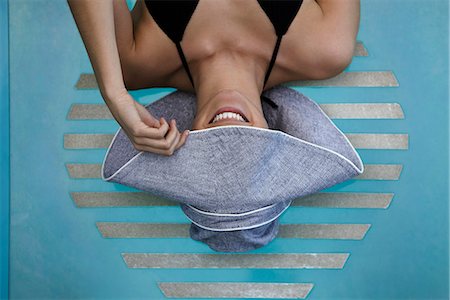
182, 139
146, 116
154, 150
167, 146
164, 142
167, 152
152, 132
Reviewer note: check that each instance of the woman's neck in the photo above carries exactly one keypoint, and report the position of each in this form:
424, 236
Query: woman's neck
227, 70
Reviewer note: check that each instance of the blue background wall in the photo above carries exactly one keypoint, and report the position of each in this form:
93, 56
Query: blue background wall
57, 251
4, 150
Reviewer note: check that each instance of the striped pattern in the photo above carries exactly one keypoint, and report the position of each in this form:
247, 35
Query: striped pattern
381, 172
363, 110
346, 200
352, 79
359, 141
236, 261
303, 231
378, 141
87, 141
235, 290
334, 111
117, 199
89, 112
332, 200
324, 231
355, 79
371, 172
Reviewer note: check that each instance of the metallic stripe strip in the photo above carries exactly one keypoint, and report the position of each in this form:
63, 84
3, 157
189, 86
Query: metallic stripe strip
171, 230
87, 81
360, 50
236, 261
346, 200
235, 290
363, 110
356, 79
334, 200
378, 141
85, 171
352, 79
113, 199
358, 140
334, 111
381, 172
324, 231
371, 172
142, 230
87, 141
89, 112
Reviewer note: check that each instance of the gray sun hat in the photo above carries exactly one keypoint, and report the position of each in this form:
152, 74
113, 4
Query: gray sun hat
233, 182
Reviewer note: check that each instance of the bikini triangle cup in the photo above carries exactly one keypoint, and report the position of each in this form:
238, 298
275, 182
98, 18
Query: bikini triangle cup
233, 182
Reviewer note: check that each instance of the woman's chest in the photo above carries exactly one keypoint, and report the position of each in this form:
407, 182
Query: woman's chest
214, 26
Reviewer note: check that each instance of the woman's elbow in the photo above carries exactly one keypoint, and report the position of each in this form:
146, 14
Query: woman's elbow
334, 59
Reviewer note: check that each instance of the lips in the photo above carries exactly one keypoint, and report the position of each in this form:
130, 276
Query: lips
229, 109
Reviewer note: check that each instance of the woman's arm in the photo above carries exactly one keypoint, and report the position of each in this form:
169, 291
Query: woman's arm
345, 14
95, 22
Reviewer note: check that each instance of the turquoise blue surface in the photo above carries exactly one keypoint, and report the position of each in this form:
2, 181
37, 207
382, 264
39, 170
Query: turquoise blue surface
4, 150
57, 251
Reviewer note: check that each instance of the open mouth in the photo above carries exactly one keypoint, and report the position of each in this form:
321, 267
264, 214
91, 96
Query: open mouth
229, 113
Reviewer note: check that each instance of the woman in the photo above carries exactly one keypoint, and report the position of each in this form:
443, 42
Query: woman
227, 46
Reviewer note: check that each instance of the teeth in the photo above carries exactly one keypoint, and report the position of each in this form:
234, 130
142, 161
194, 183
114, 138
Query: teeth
228, 115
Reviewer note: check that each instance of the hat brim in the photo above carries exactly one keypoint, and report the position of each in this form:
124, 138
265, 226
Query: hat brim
235, 169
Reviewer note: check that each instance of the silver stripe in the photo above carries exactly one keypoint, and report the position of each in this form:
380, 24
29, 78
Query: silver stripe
235, 290
171, 230
381, 172
358, 140
336, 200
89, 112
374, 172
334, 111
324, 231
353, 79
378, 141
360, 50
87, 81
111, 199
363, 110
236, 261
85, 171
142, 230
87, 141
346, 200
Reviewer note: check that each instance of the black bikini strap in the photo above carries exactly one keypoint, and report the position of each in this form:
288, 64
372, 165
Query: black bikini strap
272, 60
269, 101
185, 64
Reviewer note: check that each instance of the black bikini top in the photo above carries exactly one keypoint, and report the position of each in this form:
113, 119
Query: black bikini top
173, 17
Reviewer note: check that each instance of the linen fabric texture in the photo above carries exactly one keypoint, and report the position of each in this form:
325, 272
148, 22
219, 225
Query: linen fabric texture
233, 182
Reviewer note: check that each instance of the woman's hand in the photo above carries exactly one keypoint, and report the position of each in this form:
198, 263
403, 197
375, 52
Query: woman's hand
145, 131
